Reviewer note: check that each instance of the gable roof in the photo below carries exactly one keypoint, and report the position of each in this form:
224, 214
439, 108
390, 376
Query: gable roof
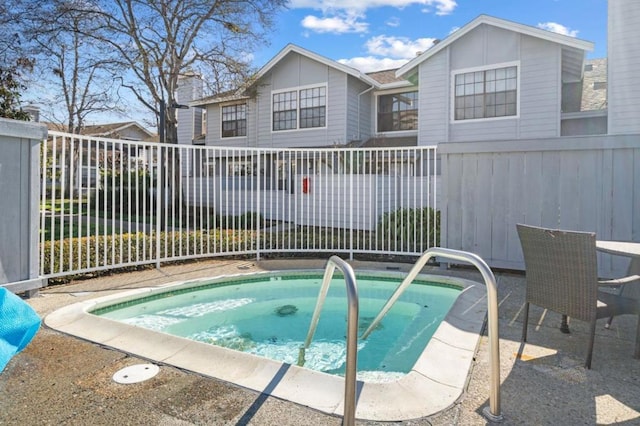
241, 92
573, 55
319, 58
110, 128
289, 48
106, 129
229, 96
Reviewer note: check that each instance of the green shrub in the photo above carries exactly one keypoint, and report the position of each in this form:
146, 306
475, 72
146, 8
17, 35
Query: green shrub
112, 250
409, 228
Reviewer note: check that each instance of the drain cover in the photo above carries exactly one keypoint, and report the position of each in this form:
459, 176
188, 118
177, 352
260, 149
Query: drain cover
135, 373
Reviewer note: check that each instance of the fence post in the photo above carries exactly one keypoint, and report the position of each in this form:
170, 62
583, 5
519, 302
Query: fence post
160, 218
20, 194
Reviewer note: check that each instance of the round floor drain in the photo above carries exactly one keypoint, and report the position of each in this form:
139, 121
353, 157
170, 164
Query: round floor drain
136, 373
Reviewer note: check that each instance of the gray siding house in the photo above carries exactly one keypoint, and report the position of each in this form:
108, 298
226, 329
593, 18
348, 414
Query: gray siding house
492, 79
495, 79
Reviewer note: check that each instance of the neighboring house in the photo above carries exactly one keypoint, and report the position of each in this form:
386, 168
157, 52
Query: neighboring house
89, 154
128, 130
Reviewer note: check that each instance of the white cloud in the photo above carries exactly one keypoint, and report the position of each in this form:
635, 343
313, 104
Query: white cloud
394, 21
397, 47
387, 52
371, 63
442, 7
558, 28
337, 24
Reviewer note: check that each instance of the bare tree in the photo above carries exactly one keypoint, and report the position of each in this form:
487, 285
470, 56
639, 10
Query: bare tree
160, 40
78, 74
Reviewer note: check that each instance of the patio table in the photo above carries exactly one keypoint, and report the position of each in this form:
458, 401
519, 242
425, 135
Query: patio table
620, 248
628, 249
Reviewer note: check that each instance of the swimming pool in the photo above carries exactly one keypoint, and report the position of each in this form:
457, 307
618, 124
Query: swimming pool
269, 315
433, 382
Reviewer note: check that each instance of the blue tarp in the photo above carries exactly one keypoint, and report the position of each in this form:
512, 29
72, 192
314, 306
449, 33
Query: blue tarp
19, 323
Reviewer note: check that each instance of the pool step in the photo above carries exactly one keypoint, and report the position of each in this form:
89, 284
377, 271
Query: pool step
396, 357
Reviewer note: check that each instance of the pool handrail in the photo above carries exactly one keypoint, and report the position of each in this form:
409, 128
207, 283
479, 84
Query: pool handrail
349, 415
492, 413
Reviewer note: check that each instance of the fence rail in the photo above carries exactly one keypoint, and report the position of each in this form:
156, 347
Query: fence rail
112, 203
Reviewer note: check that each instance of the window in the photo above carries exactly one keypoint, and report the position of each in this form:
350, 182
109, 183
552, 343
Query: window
300, 109
486, 94
234, 120
240, 168
313, 107
398, 111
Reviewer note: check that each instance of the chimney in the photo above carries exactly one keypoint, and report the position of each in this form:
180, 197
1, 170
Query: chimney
33, 111
190, 87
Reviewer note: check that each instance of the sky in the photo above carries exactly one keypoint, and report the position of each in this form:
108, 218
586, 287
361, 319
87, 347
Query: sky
374, 35
383, 34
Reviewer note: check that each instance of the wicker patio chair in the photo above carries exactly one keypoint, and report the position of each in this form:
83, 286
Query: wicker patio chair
562, 276
630, 291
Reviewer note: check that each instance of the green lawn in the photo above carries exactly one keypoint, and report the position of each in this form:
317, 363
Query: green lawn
81, 209
74, 230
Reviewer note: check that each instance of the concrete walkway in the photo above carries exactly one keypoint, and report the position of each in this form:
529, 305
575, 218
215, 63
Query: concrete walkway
60, 379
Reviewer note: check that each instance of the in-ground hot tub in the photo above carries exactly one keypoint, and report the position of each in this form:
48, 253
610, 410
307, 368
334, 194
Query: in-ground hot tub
409, 380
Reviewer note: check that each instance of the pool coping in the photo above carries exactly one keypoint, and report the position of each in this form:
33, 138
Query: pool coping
436, 381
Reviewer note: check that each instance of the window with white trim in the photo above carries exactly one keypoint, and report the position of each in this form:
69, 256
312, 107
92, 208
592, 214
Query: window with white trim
300, 109
313, 109
486, 94
234, 120
397, 112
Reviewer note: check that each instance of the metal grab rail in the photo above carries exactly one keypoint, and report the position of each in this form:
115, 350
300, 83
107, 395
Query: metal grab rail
492, 413
349, 415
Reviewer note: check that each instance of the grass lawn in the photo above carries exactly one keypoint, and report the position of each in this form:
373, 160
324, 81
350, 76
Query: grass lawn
52, 228
82, 208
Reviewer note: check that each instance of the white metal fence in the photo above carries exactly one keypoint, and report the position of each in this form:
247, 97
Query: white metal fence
111, 203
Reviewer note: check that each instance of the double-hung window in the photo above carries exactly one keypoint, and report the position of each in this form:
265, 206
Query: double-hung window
300, 109
486, 93
234, 120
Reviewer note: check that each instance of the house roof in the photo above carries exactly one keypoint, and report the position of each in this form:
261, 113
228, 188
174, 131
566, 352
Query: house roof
387, 79
110, 128
230, 96
572, 53
289, 48
240, 93
106, 129
594, 87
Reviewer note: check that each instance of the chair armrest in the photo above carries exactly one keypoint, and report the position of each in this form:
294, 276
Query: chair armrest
620, 281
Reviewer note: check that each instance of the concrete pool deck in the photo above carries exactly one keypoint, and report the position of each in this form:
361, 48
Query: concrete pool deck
435, 382
62, 379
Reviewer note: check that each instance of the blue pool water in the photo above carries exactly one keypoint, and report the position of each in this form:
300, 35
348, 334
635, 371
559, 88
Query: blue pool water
269, 315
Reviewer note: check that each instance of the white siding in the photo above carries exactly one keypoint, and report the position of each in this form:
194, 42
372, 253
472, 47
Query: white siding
296, 71
359, 124
624, 63
540, 89
433, 92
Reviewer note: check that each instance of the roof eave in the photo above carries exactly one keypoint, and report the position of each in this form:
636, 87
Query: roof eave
319, 58
497, 22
